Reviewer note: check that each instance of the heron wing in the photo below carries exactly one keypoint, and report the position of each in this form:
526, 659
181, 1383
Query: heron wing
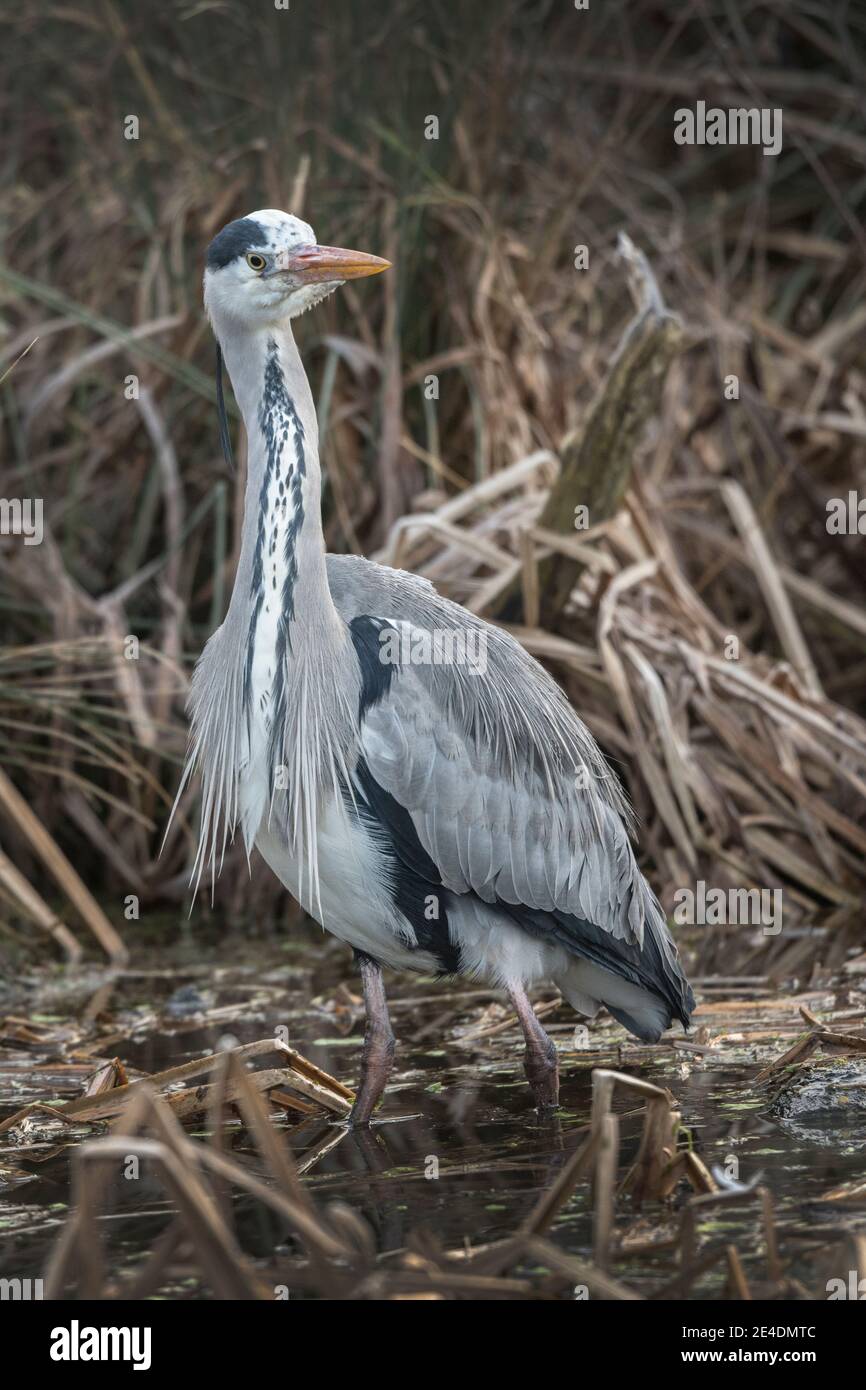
485, 766
507, 802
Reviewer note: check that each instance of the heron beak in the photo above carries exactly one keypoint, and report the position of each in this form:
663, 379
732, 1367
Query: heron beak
314, 264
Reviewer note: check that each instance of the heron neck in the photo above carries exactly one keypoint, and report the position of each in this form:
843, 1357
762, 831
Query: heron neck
282, 559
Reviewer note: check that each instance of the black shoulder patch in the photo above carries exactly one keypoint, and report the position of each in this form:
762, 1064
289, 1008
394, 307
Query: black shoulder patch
416, 878
234, 240
377, 667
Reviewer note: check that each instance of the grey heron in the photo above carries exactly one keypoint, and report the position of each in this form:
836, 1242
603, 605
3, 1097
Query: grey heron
436, 814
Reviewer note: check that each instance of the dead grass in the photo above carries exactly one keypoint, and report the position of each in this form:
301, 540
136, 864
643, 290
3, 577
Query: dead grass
555, 130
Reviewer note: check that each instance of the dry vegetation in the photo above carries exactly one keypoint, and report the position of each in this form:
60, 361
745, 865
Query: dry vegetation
558, 387
555, 130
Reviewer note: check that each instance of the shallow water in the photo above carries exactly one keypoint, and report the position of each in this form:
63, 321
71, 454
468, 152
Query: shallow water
458, 1149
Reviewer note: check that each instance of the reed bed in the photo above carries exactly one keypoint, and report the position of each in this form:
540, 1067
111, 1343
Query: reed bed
712, 630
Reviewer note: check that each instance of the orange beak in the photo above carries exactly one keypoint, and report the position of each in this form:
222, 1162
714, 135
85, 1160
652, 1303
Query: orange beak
314, 264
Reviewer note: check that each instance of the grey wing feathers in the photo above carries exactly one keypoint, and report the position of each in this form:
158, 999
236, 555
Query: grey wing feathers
543, 842
508, 791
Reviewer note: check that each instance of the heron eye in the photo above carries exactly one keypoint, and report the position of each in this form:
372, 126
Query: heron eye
255, 262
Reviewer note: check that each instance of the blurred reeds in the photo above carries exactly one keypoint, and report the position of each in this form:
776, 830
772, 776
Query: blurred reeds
555, 130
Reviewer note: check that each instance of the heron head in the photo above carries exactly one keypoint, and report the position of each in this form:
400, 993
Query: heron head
268, 267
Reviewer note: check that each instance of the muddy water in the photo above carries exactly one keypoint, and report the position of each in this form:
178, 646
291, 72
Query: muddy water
457, 1149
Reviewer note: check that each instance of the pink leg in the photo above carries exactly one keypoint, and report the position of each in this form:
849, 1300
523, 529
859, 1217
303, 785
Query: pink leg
378, 1055
541, 1063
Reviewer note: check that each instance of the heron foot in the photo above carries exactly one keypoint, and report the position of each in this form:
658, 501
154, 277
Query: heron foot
541, 1065
377, 1060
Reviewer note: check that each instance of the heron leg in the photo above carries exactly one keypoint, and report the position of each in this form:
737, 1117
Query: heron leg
541, 1063
379, 1042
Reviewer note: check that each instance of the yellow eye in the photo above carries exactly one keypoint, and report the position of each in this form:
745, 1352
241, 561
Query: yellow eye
255, 262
